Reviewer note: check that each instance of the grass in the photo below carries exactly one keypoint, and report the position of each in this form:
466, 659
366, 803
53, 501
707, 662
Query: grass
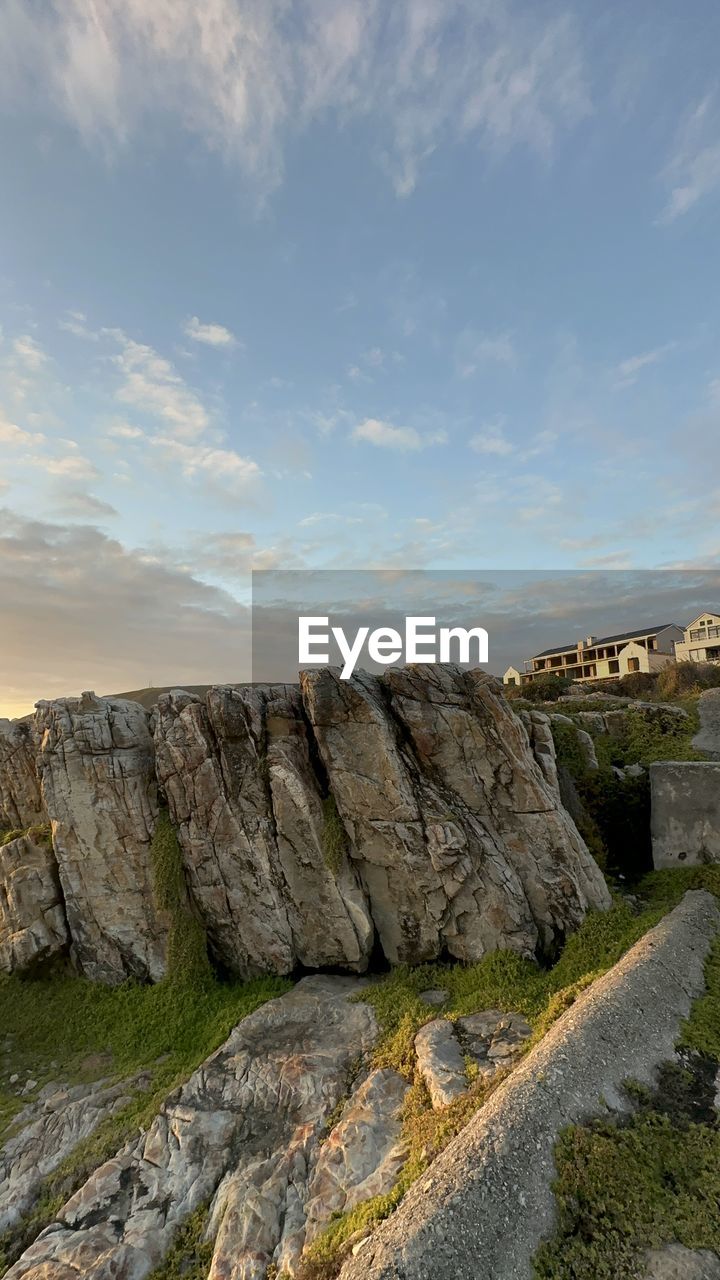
334, 836
41, 834
190, 1255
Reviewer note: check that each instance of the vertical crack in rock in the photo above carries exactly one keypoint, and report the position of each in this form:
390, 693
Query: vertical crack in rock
246, 1134
96, 767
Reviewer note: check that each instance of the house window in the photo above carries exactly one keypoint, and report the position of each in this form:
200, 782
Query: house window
633, 664
613, 666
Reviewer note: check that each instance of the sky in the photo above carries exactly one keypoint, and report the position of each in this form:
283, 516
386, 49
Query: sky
321, 284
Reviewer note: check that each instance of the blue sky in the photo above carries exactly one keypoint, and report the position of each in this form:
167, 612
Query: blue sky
332, 284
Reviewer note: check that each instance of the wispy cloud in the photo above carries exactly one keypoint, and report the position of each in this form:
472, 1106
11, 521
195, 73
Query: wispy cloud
384, 435
493, 440
628, 370
693, 170
224, 468
246, 76
210, 335
153, 386
29, 352
476, 349
76, 322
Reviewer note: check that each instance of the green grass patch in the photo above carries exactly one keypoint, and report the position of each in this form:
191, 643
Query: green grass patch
187, 957
190, 1255
334, 836
41, 833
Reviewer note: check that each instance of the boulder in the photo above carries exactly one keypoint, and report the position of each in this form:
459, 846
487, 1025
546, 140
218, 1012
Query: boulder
676, 1262
98, 785
21, 803
32, 914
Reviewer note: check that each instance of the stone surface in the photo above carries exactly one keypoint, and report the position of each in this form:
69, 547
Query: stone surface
363, 1154
685, 812
463, 735
251, 821
245, 1133
440, 1062
436, 997
98, 785
587, 749
675, 1262
707, 739
459, 841
539, 730
45, 1132
488, 1195
406, 812
21, 803
490, 1040
32, 913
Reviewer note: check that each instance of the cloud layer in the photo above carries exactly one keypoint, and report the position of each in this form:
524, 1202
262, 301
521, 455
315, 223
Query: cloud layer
242, 74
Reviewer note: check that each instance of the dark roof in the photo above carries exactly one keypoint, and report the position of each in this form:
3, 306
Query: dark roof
624, 635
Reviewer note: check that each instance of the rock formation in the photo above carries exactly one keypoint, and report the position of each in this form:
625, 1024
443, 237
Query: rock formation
32, 912
96, 765
21, 804
244, 1134
252, 824
406, 811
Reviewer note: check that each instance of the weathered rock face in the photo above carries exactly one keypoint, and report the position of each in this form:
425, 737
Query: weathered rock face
98, 784
47, 1130
246, 1134
435, 877
685, 812
251, 821
460, 842
32, 912
312, 821
543, 745
21, 803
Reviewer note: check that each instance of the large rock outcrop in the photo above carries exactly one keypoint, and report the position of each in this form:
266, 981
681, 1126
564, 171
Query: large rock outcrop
266, 862
96, 764
21, 803
32, 914
406, 812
